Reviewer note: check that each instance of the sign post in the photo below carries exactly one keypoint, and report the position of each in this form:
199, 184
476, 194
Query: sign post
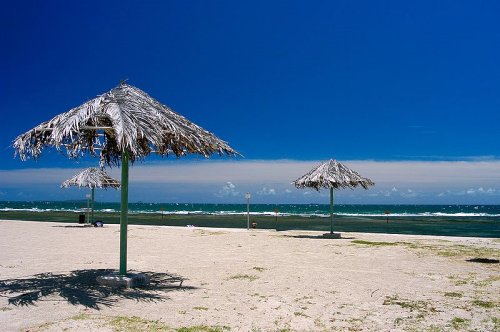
276, 211
88, 207
247, 196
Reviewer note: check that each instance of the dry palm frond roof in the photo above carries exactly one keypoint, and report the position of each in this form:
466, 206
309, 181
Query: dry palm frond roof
123, 119
332, 174
92, 178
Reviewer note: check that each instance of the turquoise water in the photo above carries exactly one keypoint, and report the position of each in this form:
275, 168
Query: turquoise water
448, 220
304, 210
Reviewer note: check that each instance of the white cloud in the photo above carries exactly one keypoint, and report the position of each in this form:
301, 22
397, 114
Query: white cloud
229, 189
450, 181
409, 193
444, 193
266, 191
392, 174
384, 193
481, 191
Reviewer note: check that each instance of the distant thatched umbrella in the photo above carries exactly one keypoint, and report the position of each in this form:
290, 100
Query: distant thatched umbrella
332, 175
92, 178
122, 125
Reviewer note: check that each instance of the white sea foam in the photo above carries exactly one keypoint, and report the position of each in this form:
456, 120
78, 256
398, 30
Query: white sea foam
39, 210
423, 214
264, 213
281, 214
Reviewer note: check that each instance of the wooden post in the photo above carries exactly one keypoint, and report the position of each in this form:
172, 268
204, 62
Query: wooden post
247, 196
87, 215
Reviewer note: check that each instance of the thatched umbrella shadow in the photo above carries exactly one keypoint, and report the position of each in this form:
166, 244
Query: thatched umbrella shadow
332, 175
483, 260
120, 127
79, 288
92, 178
314, 237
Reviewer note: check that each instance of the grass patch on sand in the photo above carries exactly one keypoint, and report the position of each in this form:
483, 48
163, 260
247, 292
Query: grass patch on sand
453, 294
5, 309
440, 248
462, 280
304, 300
44, 326
423, 307
375, 243
260, 296
300, 314
459, 323
484, 304
469, 251
488, 281
248, 277
204, 328
134, 323
81, 316
319, 324
203, 232
200, 308
454, 250
432, 328
259, 269
496, 323
127, 324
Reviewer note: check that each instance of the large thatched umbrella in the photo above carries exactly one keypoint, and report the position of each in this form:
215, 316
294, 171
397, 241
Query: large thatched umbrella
92, 178
332, 175
122, 125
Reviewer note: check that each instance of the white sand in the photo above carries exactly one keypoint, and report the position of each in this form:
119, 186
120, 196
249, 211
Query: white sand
257, 280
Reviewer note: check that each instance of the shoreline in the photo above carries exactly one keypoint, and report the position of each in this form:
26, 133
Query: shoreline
274, 231
468, 227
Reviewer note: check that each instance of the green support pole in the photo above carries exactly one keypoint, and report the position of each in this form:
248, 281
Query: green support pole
331, 210
123, 215
92, 213
87, 211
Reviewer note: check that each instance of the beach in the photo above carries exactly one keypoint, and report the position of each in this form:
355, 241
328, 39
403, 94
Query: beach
223, 279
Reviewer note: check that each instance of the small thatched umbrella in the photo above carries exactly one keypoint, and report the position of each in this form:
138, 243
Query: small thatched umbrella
122, 125
332, 175
92, 178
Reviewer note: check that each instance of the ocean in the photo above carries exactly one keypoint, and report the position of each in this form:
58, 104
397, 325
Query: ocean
454, 220
302, 210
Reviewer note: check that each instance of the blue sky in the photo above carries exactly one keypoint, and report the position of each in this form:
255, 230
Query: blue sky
299, 81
